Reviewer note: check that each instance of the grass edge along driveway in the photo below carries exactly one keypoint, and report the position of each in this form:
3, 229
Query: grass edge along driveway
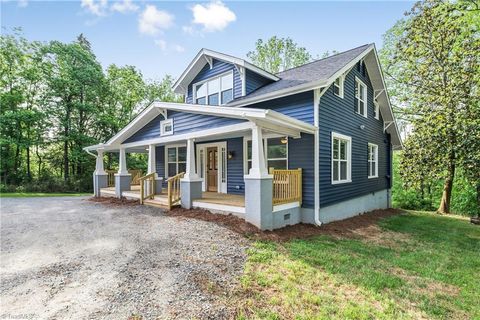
410, 266
40, 194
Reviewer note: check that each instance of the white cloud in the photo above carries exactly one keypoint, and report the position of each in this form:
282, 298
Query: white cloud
124, 6
95, 7
162, 44
178, 48
214, 16
152, 20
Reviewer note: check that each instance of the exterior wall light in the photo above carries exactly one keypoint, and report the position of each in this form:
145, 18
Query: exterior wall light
230, 155
362, 127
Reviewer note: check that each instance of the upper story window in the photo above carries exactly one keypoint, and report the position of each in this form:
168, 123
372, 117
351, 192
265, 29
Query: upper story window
166, 127
360, 97
216, 91
376, 111
372, 160
338, 86
341, 158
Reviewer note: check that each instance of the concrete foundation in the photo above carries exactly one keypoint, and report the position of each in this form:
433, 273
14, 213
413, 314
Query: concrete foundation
99, 181
122, 183
190, 190
258, 202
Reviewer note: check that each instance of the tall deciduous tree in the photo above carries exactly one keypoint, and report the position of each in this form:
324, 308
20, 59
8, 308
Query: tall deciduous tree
432, 59
278, 54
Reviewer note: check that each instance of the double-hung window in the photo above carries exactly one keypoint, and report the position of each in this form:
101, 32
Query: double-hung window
216, 91
372, 160
276, 153
341, 158
176, 160
360, 97
338, 87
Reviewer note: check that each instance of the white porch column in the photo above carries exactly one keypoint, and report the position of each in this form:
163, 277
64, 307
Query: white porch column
151, 159
122, 178
122, 165
99, 169
100, 178
191, 184
190, 173
259, 168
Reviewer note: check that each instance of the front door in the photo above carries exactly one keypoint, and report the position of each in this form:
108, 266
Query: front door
212, 169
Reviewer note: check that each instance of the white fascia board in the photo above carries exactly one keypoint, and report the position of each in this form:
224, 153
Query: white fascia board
179, 87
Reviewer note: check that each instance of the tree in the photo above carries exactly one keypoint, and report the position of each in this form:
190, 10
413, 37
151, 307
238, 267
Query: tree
278, 54
432, 59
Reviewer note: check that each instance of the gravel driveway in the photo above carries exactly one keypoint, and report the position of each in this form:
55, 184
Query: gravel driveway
69, 258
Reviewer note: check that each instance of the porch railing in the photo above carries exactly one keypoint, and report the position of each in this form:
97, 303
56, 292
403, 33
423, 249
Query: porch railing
173, 190
136, 175
111, 177
147, 187
287, 186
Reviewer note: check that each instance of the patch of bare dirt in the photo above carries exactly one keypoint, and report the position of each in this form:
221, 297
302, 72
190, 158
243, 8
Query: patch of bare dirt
361, 226
115, 202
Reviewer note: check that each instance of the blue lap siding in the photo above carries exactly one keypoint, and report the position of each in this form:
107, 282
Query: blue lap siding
183, 122
338, 115
254, 81
300, 155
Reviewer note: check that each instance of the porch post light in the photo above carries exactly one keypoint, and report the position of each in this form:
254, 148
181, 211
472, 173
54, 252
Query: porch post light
122, 166
190, 174
259, 168
151, 159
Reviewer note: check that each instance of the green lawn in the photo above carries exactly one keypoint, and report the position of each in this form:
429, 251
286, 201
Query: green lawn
40, 194
412, 266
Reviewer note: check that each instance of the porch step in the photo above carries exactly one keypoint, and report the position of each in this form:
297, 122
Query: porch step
158, 203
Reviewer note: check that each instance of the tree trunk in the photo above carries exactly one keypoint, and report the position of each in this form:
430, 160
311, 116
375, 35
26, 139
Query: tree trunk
447, 190
39, 162
29, 173
66, 133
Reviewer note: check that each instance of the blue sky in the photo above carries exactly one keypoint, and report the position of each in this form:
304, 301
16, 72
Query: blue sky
162, 37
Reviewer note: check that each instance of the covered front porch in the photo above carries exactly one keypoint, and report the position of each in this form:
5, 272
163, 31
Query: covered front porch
225, 169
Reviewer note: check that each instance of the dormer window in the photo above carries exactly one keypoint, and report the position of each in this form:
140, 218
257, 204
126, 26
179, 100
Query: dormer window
215, 91
338, 87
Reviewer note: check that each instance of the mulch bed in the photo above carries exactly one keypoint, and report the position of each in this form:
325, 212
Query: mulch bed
114, 202
344, 228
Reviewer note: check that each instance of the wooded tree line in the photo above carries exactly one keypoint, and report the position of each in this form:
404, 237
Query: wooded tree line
56, 99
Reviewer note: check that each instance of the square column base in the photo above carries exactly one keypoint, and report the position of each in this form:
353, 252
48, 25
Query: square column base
258, 202
190, 190
122, 183
99, 181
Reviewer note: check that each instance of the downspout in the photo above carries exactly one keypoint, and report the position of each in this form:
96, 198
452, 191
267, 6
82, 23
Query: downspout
316, 154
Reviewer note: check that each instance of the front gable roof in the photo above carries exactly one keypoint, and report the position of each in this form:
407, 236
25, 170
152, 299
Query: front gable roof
204, 57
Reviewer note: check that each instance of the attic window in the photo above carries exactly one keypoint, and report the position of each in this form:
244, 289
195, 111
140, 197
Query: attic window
215, 91
338, 87
360, 97
166, 127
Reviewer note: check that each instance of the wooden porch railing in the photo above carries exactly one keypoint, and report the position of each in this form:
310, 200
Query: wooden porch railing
287, 186
147, 187
111, 177
173, 190
136, 175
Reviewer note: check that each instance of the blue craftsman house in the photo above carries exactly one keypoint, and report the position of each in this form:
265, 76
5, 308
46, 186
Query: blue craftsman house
311, 144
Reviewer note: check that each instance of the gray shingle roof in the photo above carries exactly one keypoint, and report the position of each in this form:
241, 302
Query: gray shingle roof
316, 70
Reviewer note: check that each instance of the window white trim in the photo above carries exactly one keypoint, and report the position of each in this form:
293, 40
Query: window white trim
166, 162
220, 89
373, 161
340, 85
265, 150
376, 111
348, 154
163, 124
363, 99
